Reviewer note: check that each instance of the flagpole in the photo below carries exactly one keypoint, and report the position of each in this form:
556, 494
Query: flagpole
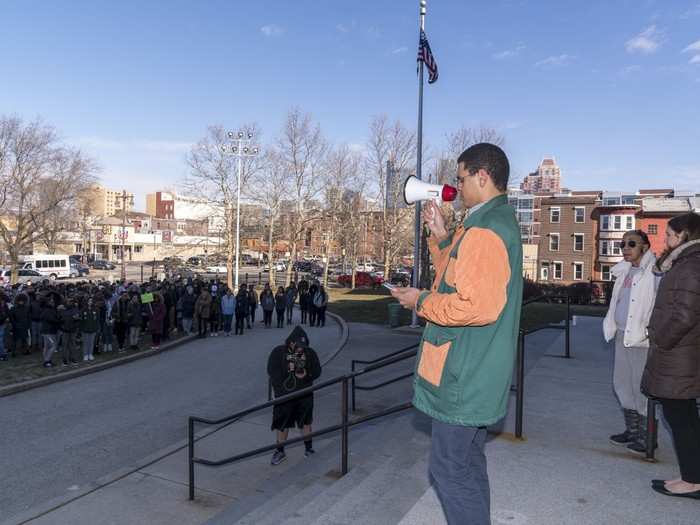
419, 165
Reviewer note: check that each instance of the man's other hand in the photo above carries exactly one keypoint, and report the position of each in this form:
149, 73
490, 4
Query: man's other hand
408, 297
433, 218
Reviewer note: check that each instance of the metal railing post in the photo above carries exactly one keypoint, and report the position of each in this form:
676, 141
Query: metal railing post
352, 385
519, 393
344, 430
190, 455
652, 430
142, 273
269, 390
568, 328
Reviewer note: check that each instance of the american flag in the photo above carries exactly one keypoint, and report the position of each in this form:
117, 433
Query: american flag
425, 55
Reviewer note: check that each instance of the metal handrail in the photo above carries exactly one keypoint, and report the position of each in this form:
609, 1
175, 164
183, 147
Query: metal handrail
413, 349
382, 358
343, 427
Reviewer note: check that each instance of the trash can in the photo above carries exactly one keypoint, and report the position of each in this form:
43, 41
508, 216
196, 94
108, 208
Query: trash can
394, 314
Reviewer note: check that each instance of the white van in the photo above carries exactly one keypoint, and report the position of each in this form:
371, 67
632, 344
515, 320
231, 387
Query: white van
51, 266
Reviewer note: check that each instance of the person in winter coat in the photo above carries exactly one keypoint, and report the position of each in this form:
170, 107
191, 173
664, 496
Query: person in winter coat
70, 320
228, 310
214, 313
133, 315
291, 297
320, 303
120, 317
304, 302
106, 320
313, 312
672, 372
241, 309
252, 305
157, 321
20, 318
50, 323
35, 314
202, 308
626, 322
4, 318
89, 324
267, 302
291, 367
188, 301
280, 306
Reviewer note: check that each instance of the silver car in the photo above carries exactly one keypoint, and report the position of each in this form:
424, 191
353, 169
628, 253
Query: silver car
24, 276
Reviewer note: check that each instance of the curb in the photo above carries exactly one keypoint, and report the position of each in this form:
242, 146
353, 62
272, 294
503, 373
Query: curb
47, 507
43, 381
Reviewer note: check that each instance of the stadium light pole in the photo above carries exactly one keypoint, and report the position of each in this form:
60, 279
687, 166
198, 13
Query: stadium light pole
239, 146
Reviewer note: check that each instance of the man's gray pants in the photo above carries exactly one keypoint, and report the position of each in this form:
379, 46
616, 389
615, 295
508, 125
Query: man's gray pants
458, 471
627, 375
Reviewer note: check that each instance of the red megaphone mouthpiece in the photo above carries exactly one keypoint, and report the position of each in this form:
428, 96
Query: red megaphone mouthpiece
449, 193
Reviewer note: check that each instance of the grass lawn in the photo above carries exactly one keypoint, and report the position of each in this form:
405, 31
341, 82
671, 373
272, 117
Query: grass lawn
365, 305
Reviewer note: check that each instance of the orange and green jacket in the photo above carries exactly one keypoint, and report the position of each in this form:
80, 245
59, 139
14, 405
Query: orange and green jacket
465, 364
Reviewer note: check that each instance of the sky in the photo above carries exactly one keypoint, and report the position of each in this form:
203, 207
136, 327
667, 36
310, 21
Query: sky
610, 88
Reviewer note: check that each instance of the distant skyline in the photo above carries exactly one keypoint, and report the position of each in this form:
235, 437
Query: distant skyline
610, 88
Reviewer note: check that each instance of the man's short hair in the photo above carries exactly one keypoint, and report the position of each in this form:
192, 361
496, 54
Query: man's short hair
489, 157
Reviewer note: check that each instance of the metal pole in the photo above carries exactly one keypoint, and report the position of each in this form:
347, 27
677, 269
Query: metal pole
519, 393
567, 343
190, 455
123, 235
238, 208
344, 431
419, 163
352, 386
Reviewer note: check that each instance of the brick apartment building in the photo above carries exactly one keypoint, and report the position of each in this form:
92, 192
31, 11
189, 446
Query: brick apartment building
567, 237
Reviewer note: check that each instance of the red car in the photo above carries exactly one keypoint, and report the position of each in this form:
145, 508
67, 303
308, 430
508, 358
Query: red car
362, 280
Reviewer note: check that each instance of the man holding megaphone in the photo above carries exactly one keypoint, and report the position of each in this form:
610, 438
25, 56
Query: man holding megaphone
465, 365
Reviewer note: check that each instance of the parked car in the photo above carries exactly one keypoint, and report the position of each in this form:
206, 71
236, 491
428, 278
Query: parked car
366, 267
401, 279
102, 264
279, 267
79, 270
195, 261
24, 276
362, 280
217, 268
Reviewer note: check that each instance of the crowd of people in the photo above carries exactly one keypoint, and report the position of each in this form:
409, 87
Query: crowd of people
75, 321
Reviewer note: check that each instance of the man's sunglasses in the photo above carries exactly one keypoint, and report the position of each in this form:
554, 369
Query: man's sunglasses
631, 244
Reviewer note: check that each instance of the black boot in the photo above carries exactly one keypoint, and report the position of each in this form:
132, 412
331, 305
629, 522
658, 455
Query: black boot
631, 430
639, 446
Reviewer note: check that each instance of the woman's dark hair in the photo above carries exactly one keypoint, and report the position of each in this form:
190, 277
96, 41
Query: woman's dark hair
641, 234
687, 225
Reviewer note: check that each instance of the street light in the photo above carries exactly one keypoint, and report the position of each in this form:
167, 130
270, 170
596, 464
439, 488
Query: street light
240, 146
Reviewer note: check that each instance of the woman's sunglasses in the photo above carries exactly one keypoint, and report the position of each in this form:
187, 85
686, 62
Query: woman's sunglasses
631, 244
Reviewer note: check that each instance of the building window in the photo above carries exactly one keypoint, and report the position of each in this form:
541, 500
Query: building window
578, 271
605, 219
554, 242
558, 265
605, 272
138, 248
653, 229
630, 222
554, 214
616, 249
578, 242
604, 248
617, 222
580, 214
544, 273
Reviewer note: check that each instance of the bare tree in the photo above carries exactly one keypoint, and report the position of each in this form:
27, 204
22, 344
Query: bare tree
302, 149
38, 176
391, 156
464, 137
214, 177
344, 182
269, 187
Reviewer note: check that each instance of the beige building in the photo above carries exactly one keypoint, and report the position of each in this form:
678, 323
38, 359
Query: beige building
547, 178
106, 202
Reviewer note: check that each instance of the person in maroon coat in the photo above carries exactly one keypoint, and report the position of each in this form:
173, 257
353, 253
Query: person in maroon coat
672, 372
157, 320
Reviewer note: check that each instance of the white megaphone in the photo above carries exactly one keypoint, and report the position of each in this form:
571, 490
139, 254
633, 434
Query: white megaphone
416, 190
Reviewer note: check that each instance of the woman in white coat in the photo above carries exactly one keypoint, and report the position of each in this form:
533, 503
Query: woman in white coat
626, 322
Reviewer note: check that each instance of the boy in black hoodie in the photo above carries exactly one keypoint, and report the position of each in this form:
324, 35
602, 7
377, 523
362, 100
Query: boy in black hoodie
292, 367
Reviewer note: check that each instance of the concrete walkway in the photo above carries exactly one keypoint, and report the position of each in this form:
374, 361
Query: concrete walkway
63, 440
